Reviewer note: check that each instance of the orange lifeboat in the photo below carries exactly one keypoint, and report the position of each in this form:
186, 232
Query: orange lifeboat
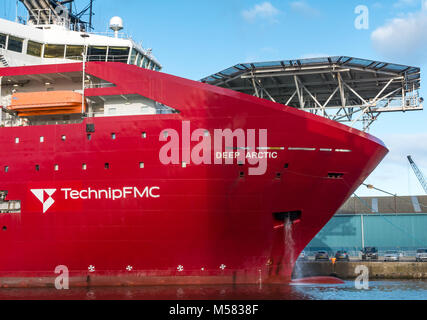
46, 103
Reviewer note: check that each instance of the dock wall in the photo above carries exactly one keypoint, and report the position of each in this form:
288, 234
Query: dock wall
347, 270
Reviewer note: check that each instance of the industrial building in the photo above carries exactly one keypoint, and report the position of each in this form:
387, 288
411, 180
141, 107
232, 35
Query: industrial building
384, 222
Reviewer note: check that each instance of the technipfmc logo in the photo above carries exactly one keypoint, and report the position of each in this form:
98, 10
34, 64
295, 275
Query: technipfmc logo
45, 197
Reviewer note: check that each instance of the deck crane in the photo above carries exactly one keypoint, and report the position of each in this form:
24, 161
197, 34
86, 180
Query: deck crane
418, 173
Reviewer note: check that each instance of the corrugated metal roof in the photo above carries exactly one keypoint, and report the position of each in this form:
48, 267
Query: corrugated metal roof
375, 205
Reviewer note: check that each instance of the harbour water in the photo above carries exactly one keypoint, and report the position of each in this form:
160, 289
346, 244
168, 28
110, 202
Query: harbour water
378, 290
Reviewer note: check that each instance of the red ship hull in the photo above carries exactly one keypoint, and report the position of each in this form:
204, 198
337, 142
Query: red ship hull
203, 223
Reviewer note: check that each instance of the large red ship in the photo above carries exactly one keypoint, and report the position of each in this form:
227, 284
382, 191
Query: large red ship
142, 177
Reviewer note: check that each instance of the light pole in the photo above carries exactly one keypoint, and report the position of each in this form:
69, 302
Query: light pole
84, 36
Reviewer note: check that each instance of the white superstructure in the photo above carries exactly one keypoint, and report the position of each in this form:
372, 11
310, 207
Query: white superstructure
51, 34
47, 38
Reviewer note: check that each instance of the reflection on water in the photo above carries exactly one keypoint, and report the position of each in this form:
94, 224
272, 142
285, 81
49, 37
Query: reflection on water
378, 290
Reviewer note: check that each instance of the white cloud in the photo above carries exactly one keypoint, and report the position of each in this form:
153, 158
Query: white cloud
394, 174
263, 10
304, 8
263, 54
403, 38
377, 5
401, 145
315, 55
405, 3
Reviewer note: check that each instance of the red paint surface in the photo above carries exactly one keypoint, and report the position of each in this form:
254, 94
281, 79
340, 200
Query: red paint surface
206, 215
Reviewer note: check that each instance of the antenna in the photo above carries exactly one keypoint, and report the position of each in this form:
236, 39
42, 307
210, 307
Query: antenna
116, 24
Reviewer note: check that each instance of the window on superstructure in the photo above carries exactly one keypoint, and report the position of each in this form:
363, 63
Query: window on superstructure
34, 49
15, 44
3, 39
133, 56
54, 51
74, 52
118, 54
139, 59
96, 53
142, 64
146, 63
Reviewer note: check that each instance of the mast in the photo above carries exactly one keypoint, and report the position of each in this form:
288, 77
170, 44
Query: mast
90, 15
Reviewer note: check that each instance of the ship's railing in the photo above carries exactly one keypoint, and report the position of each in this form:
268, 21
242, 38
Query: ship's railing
124, 114
107, 58
99, 85
6, 100
9, 120
13, 122
10, 206
47, 17
120, 35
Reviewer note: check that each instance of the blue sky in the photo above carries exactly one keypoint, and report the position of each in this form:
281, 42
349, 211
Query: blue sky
194, 39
